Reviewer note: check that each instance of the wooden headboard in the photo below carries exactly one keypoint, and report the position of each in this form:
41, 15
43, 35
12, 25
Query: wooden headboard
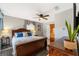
19, 30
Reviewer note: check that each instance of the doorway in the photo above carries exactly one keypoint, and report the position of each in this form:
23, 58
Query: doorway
52, 34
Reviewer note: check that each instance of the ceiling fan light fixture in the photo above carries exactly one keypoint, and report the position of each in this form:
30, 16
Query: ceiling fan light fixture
42, 16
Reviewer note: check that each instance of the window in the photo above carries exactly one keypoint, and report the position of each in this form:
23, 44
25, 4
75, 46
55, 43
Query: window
1, 23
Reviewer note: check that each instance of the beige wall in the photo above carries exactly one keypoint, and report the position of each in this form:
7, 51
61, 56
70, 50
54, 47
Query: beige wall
59, 21
60, 28
13, 23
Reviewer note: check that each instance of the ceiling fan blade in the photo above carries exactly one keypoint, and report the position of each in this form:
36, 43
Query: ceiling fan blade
39, 19
35, 17
46, 16
38, 14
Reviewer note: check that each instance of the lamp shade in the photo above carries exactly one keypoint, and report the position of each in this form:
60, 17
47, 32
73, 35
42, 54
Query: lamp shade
6, 32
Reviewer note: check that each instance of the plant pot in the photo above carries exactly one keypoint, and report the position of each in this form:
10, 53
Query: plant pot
70, 45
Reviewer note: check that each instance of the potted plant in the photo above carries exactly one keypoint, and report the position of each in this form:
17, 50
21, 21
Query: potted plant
70, 42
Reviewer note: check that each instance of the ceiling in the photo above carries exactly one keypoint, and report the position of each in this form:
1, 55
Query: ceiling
29, 10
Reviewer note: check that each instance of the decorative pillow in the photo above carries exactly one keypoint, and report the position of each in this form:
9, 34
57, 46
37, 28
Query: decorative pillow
25, 34
19, 34
29, 33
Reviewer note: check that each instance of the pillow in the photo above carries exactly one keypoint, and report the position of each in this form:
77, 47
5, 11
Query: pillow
19, 34
29, 34
25, 34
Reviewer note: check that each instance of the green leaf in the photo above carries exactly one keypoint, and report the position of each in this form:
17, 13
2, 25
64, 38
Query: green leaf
71, 33
74, 33
68, 28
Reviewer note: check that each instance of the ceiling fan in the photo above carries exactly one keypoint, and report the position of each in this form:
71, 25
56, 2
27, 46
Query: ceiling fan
41, 16
44, 15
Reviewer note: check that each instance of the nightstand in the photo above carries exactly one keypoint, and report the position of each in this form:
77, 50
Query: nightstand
5, 42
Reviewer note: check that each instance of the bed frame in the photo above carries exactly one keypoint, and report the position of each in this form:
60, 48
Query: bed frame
31, 48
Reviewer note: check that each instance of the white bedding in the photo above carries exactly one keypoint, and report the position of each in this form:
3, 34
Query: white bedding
20, 40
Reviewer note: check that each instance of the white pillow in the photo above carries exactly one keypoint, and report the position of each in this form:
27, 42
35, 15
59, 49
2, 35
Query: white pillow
25, 34
15, 35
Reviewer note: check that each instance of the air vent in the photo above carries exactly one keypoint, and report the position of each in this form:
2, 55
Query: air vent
56, 8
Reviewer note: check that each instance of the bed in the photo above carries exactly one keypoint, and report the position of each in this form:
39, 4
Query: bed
27, 46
